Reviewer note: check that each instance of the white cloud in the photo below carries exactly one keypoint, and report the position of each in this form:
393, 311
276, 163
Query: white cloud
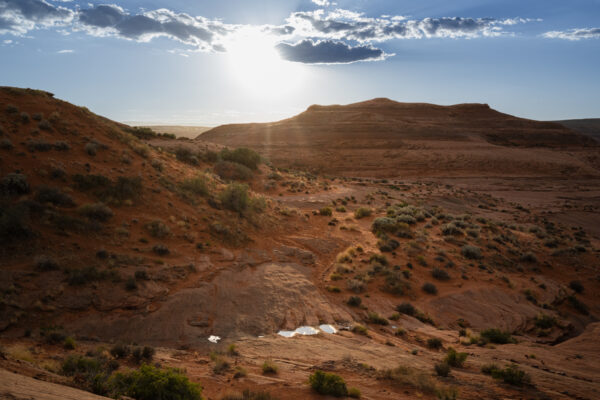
66, 51
574, 34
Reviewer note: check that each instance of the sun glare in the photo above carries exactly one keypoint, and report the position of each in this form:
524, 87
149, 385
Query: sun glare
257, 67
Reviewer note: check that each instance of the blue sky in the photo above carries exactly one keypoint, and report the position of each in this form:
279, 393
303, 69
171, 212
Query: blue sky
212, 62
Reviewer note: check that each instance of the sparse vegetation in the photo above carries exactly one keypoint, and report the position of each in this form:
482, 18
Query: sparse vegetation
269, 367
158, 229
244, 156
471, 252
577, 286
362, 212
511, 374
96, 211
497, 336
454, 358
440, 274
429, 288
327, 383
232, 171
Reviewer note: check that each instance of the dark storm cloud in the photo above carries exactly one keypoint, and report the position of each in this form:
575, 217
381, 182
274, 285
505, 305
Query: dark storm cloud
328, 52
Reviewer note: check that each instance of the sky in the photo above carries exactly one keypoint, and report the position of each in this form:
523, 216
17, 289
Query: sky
206, 62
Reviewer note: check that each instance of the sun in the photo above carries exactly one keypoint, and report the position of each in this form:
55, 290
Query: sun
257, 67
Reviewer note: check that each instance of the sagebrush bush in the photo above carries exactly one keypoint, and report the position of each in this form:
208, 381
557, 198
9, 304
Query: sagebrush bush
406, 308
454, 358
362, 212
232, 171
471, 252
497, 336
328, 384
434, 343
151, 383
47, 194
442, 369
244, 156
440, 274
430, 288
511, 374
235, 197
354, 301
375, 318
577, 286
14, 184
197, 185
158, 229
96, 211
187, 156
269, 367
161, 249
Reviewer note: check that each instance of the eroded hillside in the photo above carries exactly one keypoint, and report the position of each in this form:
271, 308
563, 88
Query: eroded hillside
121, 248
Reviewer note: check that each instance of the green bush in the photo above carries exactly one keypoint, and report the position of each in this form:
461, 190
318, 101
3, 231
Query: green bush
152, 383
158, 229
97, 211
430, 288
440, 274
235, 197
125, 188
197, 185
120, 350
326, 211
69, 343
354, 393
269, 367
406, 308
187, 156
375, 318
442, 369
512, 375
328, 384
362, 212
84, 275
232, 171
434, 343
471, 252
243, 156
46, 194
354, 301
454, 358
544, 321
495, 335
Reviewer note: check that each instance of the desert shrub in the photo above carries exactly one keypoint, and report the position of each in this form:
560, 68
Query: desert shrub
186, 155
440, 274
11, 109
354, 301
544, 321
471, 252
434, 343
45, 263
577, 286
125, 188
96, 211
53, 334
38, 145
356, 285
375, 318
232, 171
495, 335
451, 229
429, 288
91, 148
158, 229
326, 211
235, 197
5, 144
120, 350
529, 257
197, 185
140, 354
442, 369
244, 156
64, 222
354, 393
406, 308
387, 245
157, 165
406, 376
384, 224
84, 275
151, 383
47, 194
512, 375
144, 133
454, 358
69, 343
362, 212
328, 384
161, 249
45, 125
395, 284
14, 184
407, 219
61, 145
14, 222
25, 118
269, 367
360, 330
221, 366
